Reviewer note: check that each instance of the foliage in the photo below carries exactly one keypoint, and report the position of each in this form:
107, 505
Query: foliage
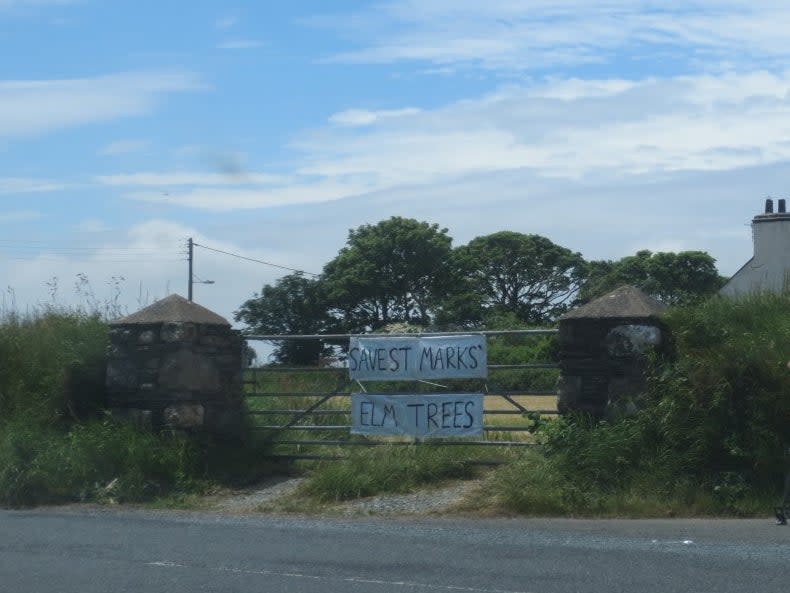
293, 305
52, 365
711, 438
99, 460
388, 273
386, 469
722, 404
56, 443
673, 278
527, 275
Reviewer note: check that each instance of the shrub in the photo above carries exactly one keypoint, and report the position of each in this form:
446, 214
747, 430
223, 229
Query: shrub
386, 469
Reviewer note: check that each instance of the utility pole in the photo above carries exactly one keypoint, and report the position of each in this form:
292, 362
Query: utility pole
191, 250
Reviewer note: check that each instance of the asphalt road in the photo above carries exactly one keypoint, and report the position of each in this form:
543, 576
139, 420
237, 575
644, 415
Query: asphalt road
90, 551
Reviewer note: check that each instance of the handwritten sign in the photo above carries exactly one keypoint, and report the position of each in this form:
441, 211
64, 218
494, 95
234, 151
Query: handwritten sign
418, 416
395, 359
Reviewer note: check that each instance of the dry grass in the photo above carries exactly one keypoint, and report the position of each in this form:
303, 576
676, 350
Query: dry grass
530, 402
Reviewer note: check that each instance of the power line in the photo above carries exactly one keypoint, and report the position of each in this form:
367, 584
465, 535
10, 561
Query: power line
257, 261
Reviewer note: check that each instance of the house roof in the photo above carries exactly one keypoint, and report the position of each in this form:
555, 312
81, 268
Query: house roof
173, 309
624, 302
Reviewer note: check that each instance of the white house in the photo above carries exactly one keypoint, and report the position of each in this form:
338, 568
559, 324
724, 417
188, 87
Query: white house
769, 268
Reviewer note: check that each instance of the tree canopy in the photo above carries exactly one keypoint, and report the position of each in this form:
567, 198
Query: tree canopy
404, 271
527, 275
673, 278
388, 272
293, 305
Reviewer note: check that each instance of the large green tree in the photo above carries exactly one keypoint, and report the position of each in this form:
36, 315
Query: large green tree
393, 271
673, 278
293, 305
526, 275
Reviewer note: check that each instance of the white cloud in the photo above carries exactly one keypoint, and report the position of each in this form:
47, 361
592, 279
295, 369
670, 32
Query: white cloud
19, 216
226, 22
568, 129
365, 117
534, 34
121, 147
562, 129
36, 107
181, 178
26, 185
240, 44
92, 225
222, 200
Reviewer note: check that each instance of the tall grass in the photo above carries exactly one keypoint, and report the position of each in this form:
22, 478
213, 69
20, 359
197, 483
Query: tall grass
57, 442
368, 472
711, 438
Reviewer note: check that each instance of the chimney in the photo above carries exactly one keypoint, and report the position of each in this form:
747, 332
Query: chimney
769, 206
782, 206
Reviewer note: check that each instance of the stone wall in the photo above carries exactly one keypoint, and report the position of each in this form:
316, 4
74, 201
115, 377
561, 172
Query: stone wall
603, 364
177, 375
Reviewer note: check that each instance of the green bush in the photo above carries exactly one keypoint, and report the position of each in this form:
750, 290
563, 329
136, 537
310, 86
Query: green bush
93, 461
710, 438
372, 471
722, 406
52, 365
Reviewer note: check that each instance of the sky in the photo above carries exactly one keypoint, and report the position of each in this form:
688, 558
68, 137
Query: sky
269, 129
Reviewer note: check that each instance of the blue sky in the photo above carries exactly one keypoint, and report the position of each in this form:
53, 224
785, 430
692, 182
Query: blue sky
269, 129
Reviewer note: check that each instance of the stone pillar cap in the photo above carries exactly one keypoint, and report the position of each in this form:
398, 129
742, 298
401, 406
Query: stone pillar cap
173, 309
626, 302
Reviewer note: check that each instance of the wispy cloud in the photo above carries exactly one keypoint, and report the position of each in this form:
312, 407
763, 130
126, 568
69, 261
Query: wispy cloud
223, 200
181, 178
226, 22
36, 107
26, 185
536, 34
121, 147
19, 216
365, 117
240, 44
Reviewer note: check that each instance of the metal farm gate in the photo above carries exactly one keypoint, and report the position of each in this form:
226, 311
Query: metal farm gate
305, 412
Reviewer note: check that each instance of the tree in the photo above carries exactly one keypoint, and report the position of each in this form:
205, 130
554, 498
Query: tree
394, 271
673, 278
527, 275
293, 305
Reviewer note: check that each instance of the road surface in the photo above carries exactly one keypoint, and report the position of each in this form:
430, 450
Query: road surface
98, 550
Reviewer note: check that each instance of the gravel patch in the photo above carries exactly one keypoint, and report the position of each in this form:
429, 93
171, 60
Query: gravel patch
265, 493
422, 502
428, 501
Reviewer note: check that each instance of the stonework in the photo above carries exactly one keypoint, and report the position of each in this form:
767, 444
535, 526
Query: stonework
184, 374
602, 352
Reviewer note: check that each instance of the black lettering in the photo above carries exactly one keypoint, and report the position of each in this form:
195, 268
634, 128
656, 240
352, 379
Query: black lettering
457, 413
405, 351
427, 355
380, 358
364, 359
416, 413
475, 362
433, 409
461, 362
363, 413
389, 412
438, 360
395, 366
451, 353
446, 414
353, 363
469, 414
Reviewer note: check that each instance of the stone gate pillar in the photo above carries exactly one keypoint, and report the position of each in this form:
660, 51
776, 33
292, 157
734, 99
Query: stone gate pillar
602, 348
177, 365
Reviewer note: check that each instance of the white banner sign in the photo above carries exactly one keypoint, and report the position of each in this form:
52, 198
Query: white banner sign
418, 416
395, 359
